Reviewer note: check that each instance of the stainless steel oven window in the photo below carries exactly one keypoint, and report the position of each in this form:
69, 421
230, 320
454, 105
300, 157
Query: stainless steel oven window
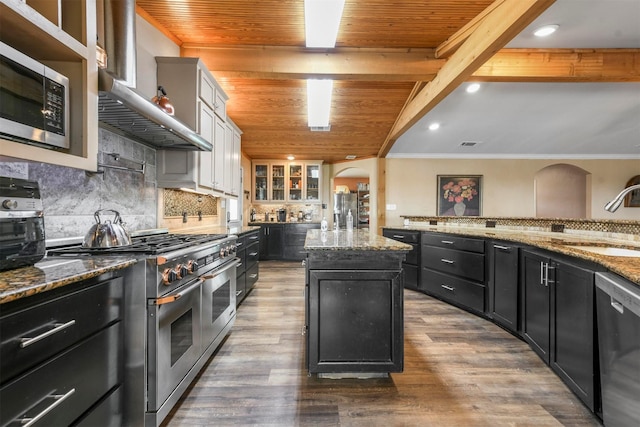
181, 336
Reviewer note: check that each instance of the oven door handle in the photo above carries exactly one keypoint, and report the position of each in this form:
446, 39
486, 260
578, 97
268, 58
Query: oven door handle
174, 297
223, 269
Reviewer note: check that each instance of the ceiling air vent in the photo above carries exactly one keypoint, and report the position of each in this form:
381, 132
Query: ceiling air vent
320, 128
469, 143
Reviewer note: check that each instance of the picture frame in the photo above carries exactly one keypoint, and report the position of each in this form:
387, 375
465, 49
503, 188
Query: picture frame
459, 195
632, 200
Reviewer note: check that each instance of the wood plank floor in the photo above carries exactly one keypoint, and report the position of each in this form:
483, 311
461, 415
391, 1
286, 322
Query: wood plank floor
460, 370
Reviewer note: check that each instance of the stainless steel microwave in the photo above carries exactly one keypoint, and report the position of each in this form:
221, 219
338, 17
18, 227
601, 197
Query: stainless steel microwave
34, 101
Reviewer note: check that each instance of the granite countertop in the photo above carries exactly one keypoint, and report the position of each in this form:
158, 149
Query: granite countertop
627, 267
54, 272
357, 240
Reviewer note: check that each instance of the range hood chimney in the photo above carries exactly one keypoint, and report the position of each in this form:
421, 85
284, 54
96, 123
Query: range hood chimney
119, 105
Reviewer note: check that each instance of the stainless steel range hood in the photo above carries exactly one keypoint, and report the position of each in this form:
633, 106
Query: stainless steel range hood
119, 105
126, 110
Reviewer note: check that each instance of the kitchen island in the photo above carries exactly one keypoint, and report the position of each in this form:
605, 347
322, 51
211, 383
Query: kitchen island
354, 304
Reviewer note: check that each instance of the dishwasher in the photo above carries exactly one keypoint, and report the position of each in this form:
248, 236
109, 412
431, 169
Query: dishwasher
618, 313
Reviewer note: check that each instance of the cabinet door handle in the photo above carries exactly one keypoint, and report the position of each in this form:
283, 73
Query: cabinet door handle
617, 306
25, 342
547, 281
449, 288
253, 253
238, 265
542, 273
238, 293
238, 244
398, 236
504, 248
59, 398
447, 242
447, 261
253, 276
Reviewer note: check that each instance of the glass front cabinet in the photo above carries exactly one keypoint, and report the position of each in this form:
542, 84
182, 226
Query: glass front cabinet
286, 182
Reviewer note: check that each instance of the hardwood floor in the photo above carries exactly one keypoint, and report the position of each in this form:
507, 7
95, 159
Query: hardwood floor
460, 370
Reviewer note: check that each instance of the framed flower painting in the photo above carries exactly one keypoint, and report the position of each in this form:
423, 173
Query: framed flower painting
459, 195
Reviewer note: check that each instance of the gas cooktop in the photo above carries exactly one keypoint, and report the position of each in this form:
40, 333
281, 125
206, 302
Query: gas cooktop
148, 245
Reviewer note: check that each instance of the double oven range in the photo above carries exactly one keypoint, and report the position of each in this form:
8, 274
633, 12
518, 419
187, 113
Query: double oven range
180, 303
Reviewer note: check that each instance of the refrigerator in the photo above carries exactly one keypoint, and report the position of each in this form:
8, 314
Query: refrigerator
342, 202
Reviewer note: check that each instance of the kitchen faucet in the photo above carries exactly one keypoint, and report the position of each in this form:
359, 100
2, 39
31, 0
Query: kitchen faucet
613, 205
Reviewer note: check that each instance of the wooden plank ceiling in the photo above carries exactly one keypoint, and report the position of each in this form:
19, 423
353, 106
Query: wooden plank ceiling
385, 53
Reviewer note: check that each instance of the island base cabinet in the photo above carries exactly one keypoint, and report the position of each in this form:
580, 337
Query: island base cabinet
503, 285
355, 321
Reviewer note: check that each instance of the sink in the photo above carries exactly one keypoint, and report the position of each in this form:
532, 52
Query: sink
608, 250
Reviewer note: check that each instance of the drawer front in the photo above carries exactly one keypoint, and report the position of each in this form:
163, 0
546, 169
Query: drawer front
107, 414
242, 264
252, 254
402, 235
253, 237
454, 289
453, 242
241, 243
466, 264
241, 291
56, 324
252, 276
67, 385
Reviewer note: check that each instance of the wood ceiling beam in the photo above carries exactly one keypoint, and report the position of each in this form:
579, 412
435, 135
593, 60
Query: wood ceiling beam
561, 65
275, 62
504, 22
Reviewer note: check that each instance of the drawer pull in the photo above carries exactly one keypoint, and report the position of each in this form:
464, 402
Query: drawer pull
25, 342
238, 244
253, 276
504, 248
449, 288
253, 237
238, 293
238, 265
59, 398
253, 253
447, 261
447, 242
398, 236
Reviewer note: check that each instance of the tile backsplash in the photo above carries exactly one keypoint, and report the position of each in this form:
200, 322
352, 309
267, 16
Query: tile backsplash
177, 202
71, 196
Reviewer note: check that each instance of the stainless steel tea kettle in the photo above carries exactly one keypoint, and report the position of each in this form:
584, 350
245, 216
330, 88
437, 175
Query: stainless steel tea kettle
106, 234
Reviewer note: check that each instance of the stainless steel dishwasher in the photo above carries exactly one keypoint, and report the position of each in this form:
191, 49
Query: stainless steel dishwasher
618, 312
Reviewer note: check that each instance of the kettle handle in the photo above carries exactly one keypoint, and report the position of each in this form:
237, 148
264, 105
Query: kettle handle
117, 220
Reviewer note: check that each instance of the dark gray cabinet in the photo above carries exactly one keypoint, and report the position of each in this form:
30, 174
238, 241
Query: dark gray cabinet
354, 312
272, 239
558, 319
411, 264
247, 251
503, 278
294, 237
62, 355
453, 269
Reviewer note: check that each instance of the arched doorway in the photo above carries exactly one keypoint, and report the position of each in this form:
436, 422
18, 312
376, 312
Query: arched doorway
562, 191
350, 190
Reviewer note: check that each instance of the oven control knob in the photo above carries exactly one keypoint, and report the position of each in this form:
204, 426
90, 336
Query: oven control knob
232, 249
178, 270
223, 252
191, 266
168, 276
10, 204
184, 270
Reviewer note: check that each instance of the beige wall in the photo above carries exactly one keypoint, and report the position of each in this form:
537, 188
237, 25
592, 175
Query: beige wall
508, 185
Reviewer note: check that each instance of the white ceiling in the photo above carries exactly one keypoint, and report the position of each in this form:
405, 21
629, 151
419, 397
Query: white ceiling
544, 120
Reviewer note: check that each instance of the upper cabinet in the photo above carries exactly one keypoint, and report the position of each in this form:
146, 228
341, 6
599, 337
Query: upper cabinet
60, 34
200, 103
276, 181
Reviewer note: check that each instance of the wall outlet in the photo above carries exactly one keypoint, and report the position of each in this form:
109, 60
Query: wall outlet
391, 207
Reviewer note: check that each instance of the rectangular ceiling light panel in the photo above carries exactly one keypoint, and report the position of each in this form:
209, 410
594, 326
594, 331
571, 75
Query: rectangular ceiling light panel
319, 102
321, 22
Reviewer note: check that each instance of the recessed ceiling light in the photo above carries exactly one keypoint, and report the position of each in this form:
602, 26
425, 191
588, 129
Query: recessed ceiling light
434, 126
473, 87
350, 157
546, 30
290, 157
